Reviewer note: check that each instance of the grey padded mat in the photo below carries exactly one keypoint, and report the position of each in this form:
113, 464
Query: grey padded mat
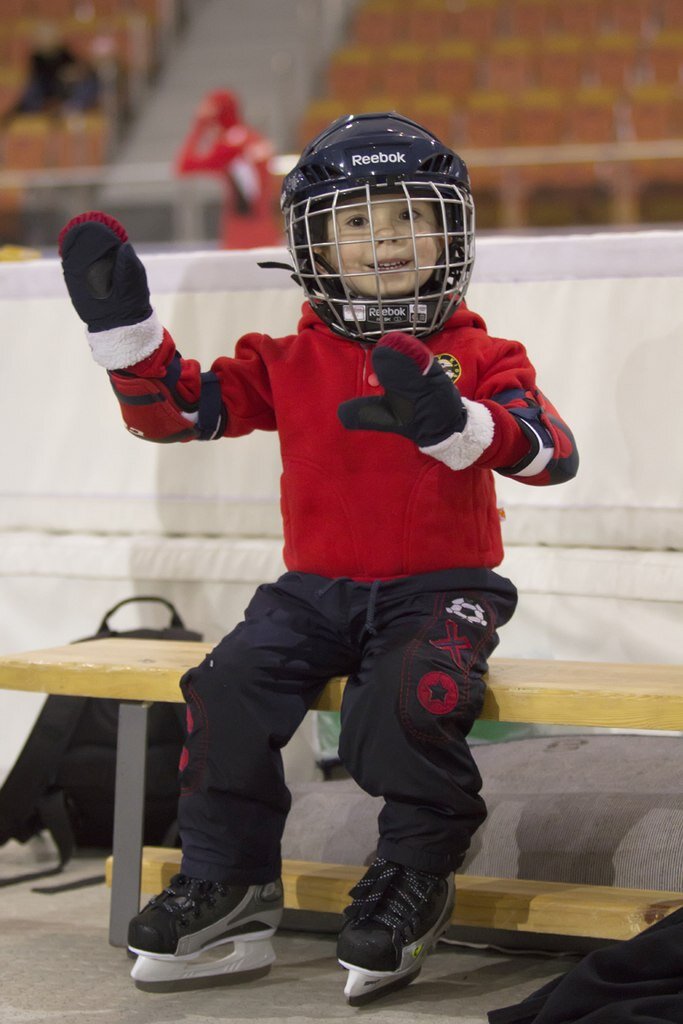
594, 809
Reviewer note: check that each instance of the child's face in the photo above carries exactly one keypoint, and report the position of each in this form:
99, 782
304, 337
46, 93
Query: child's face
390, 269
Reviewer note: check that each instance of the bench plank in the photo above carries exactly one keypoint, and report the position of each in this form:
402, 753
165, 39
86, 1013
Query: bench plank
545, 692
511, 904
626, 696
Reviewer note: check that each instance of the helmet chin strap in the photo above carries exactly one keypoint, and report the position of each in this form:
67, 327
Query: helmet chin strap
325, 264
274, 265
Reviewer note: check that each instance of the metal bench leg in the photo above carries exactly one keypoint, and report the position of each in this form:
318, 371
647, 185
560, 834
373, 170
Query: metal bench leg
129, 808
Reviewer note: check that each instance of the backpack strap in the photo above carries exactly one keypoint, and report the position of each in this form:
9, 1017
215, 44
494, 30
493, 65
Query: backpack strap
176, 622
28, 801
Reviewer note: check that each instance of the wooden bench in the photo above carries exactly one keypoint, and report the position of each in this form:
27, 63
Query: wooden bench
139, 672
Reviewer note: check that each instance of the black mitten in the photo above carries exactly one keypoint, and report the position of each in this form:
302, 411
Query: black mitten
103, 273
420, 401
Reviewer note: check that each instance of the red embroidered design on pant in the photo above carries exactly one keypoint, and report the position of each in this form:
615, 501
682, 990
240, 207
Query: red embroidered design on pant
438, 693
453, 643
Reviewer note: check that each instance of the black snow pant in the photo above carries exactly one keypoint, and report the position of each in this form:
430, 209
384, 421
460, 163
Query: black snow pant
415, 650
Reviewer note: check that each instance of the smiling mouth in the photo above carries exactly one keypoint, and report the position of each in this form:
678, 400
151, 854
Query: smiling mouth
390, 265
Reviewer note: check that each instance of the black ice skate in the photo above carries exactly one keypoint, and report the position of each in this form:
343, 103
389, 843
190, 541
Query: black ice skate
396, 917
181, 934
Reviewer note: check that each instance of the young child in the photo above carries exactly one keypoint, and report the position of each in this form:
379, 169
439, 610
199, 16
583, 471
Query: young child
393, 406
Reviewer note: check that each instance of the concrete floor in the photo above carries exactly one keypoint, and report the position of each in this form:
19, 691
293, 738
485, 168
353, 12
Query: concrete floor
57, 966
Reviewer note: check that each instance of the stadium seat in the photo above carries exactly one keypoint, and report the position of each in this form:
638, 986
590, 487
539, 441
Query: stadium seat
352, 73
561, 62
586, 18
510, 65
37, 8
571, 201
11, 208
453, 68
612, 60
538, 118
488, 121
400, 73
380, 22
663, 57
426, 21
531, 19
591, 116
660, 191
380, 102
82, 141
437, 112
19, 42
476, 21
319, 114
655, 111
11, 85
28, 143
670, 14
636, 17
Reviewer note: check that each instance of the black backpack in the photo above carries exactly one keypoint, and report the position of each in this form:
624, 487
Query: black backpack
63, 779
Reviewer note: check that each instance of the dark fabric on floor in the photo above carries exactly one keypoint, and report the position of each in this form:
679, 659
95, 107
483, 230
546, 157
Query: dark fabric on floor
635, 982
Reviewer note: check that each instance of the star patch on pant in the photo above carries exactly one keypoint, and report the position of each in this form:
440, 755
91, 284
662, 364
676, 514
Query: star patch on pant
438, 693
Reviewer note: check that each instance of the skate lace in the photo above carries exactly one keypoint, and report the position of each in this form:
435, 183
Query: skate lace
391, 894
185, 896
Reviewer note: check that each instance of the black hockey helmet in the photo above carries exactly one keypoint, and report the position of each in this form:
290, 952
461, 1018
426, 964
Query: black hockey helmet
356, 161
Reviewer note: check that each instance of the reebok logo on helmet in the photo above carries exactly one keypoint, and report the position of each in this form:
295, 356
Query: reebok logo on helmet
362, 159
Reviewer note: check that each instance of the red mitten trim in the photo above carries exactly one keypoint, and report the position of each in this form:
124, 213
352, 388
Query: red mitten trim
92, 215
408, 345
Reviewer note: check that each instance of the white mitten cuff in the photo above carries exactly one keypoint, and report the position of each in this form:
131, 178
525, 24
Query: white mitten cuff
123, 346
460, 450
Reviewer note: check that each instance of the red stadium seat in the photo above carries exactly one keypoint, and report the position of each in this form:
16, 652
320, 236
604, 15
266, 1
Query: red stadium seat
561, 62
510, 65
663, 57
531, 19
586, 18
319, 114
656, 111
592, 116
352, 73
380, 22
475, 21
28, 143
453, 68
437, 113
538, 118
488, 120
401, 71
613, 60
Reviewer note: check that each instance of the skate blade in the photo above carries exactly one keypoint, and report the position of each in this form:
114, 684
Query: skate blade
158, 972
365, 986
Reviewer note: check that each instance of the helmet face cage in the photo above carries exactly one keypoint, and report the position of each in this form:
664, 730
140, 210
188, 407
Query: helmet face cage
407, 261
341, 296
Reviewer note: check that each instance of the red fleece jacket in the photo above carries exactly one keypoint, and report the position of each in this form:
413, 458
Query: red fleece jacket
363, 504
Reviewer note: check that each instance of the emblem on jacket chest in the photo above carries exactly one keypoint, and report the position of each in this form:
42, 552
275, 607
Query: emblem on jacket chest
451, 366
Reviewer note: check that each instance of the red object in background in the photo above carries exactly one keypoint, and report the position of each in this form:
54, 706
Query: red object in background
220, 143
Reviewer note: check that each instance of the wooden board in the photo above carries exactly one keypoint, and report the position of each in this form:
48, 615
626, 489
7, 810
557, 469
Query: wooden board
626, 696
511, 904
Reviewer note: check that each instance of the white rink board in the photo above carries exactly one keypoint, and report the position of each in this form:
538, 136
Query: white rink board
607, 350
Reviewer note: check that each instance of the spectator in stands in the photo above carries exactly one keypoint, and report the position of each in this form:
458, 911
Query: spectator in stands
220, 143
58, 81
